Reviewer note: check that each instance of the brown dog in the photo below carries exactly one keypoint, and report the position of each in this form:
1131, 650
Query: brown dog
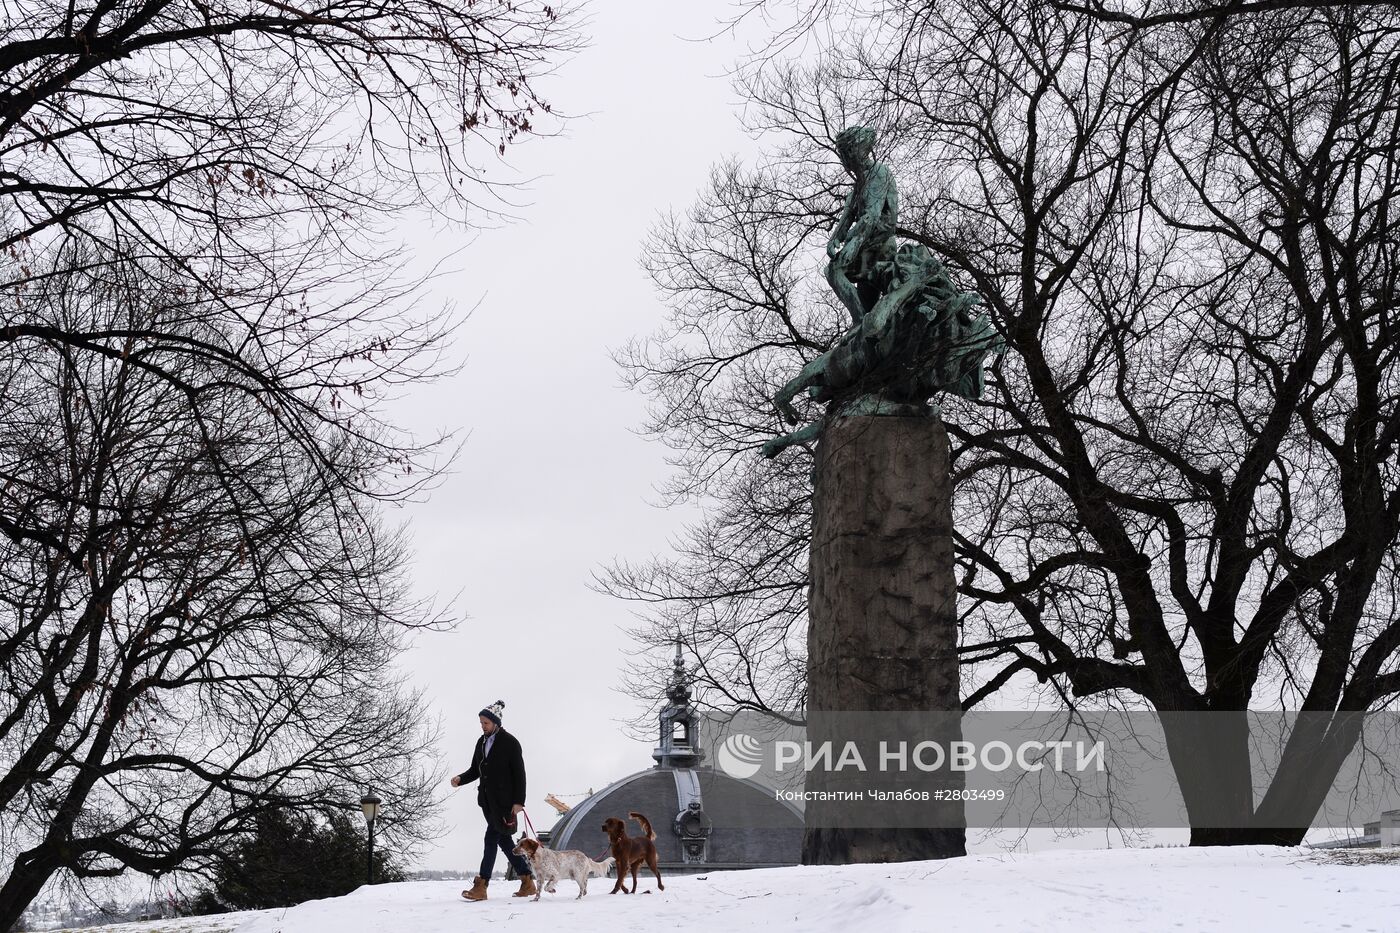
631, 851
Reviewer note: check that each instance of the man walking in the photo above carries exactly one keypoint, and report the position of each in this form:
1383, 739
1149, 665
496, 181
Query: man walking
499, 768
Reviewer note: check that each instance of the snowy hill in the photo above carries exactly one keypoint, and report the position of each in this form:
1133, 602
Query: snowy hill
1177, 890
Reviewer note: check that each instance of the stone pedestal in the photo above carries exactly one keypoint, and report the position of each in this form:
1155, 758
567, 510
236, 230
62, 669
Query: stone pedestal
883, 623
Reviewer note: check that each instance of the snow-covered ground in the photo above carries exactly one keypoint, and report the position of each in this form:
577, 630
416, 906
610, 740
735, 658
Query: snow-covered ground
1177, 890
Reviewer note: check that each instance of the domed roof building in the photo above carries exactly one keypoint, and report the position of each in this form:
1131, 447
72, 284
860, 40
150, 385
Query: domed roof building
703, 819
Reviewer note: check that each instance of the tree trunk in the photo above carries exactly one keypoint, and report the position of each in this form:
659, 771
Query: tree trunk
1247, 836
883, 624
20, 889
1318, 745
1211, 752
842, 846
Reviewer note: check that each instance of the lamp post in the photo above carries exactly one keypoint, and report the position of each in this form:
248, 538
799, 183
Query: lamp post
370, 805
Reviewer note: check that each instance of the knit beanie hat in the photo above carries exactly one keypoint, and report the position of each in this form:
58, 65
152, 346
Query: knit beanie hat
493, 712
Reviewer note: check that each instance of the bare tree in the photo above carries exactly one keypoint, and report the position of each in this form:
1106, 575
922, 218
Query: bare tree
737, 593
200, 598
162, 118
1180, 491
1145, 15
200, 616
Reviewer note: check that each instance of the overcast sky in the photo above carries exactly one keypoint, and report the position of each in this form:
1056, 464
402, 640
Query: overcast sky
553, 482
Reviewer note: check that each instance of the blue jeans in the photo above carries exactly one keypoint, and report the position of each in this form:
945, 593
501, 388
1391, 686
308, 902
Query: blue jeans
505, 842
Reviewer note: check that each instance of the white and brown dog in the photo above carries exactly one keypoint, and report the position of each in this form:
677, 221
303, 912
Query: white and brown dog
549, 866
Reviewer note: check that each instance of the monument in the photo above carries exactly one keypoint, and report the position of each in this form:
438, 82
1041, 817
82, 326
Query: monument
883, 632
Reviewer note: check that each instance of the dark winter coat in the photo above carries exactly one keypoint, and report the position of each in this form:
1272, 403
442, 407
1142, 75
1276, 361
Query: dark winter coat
501, 779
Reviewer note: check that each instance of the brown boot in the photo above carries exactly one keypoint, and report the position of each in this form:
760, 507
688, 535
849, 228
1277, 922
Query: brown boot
527, 887
477, 892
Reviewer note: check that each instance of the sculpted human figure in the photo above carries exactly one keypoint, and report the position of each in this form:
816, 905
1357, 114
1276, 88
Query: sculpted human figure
915, 334
862, 246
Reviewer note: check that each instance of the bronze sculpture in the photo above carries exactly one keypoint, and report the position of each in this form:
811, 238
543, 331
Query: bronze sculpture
914, 334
